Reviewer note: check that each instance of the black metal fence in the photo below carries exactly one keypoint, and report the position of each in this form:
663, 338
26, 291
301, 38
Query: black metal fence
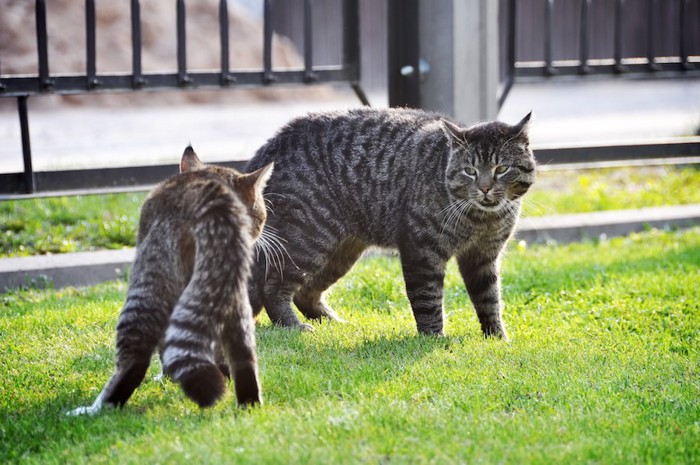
545, 40
90, 82
564, 38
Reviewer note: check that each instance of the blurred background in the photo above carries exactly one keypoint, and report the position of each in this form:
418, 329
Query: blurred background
471, 59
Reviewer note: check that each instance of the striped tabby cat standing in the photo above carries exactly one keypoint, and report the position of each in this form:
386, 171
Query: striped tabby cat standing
188, 287
406, 179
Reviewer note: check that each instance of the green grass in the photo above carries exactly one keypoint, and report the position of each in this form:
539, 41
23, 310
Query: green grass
603, 367
68, 224
579, 191
72, 224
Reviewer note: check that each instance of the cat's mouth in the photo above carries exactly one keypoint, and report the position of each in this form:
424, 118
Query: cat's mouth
489, 204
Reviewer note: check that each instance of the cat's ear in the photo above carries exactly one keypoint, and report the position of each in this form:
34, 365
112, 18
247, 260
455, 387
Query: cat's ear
190, 161
523, 127
452, 131
257, 180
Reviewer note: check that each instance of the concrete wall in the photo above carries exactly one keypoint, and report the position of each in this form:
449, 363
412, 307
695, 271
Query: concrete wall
459, 43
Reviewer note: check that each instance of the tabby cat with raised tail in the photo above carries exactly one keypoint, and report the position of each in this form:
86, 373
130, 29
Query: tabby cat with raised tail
399, 178
188, 291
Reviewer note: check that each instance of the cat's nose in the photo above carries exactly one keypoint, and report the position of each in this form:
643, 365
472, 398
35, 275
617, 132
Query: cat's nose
485, 189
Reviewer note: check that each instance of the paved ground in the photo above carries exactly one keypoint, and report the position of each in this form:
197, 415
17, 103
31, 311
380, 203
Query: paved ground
565, 113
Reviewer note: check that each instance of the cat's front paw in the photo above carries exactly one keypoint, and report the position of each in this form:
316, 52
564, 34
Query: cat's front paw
496, 332
306, 327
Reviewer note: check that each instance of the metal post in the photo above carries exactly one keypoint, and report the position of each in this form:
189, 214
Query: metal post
585, 37
268, 77
683, 36
511, 41
42, 42
226, 77
619, 34
309, 75
2, 86
137, 79
91, 80
512, 37
351, 48
651, 24
404, 53
182, 78
28, 176
549, 34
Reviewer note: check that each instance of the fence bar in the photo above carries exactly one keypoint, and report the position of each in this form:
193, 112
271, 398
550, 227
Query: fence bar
618, 53
651, 25
584, 50
42, 43
268, 77
182, 77
512, 37
226, 77
91, 80
404, 53
351, 48
549, 33
309, 75
683, 35
137, 80
28, 175
510, 54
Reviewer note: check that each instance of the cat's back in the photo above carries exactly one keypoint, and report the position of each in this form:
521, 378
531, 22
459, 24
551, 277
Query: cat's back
356, 136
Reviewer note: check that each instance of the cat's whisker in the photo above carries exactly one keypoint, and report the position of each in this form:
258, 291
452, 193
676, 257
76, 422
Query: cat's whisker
271, 255
277, 247
464, 210
449, 212
539, 207
261, 247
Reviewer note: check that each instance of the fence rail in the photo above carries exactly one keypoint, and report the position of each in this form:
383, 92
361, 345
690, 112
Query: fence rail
90, 82
550, 38
545, 40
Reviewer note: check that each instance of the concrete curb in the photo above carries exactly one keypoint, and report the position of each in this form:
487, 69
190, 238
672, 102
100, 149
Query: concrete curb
87, 268
582, 226
70, 269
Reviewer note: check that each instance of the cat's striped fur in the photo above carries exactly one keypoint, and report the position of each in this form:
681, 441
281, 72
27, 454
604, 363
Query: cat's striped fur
405, 179
187, 292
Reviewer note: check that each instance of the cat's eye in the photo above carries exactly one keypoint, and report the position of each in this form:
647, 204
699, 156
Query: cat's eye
501, 169
470, 171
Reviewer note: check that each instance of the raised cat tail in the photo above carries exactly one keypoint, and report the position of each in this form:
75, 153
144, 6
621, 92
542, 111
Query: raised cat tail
213, 296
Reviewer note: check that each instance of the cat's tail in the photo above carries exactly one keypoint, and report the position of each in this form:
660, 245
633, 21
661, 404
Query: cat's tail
214, 305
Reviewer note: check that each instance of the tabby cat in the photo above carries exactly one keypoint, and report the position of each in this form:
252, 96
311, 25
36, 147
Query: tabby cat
399, 178
188, 291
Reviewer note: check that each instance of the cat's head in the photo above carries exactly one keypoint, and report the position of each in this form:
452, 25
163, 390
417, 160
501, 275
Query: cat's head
248, 186
491, 164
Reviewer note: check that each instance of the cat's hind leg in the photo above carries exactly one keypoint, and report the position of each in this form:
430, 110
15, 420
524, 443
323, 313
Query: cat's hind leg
309, 299
238, 343
140, 327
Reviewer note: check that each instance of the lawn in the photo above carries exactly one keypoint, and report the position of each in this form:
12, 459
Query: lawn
602, 368
72, 224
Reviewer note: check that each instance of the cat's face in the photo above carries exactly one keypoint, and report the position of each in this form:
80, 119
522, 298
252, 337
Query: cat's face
490, 165
248, 186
